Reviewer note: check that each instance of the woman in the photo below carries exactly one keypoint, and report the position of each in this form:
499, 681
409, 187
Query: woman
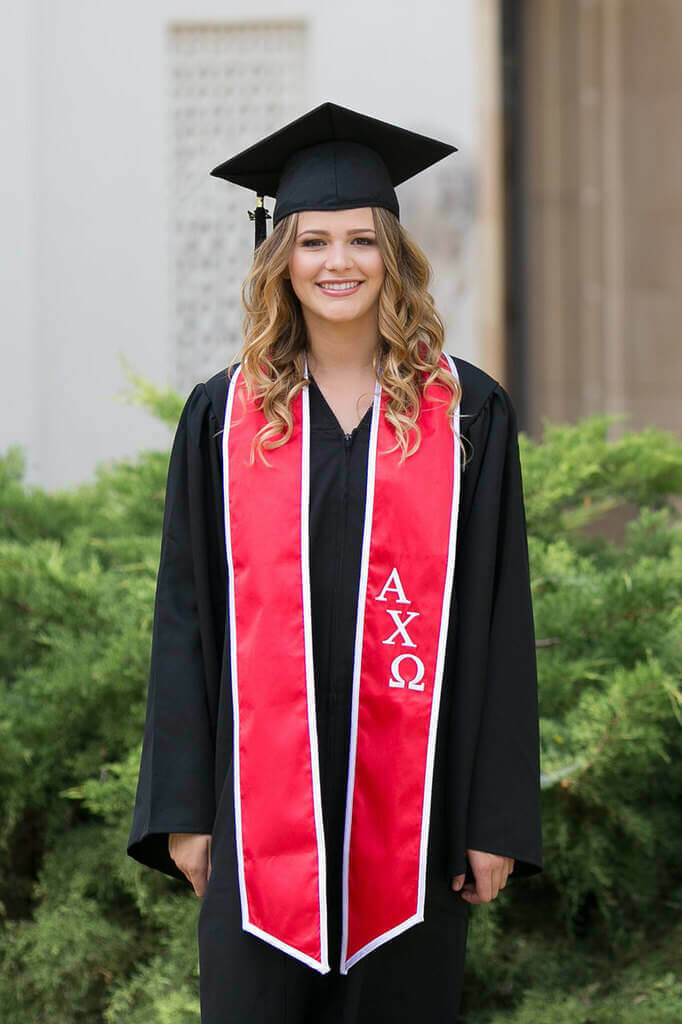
341, 746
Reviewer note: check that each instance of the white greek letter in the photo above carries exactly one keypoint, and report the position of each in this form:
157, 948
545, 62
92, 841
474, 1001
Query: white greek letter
402, 627
397, 587
396, 678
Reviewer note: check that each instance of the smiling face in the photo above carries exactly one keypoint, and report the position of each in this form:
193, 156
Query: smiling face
335, 266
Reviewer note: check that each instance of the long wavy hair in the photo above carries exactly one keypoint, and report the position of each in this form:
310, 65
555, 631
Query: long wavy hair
411, 334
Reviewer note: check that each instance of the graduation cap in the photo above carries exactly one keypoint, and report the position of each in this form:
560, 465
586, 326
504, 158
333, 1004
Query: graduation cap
331, 158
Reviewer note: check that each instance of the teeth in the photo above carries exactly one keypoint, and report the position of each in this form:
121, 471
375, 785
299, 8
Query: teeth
340, 287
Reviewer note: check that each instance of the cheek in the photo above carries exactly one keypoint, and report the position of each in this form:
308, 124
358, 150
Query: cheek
376, 271
373, 265
292, 269
301, 269
295, 277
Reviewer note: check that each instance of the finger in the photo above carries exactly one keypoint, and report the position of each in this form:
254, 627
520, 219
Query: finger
471, 896
458, 882
198, 880
209, 858
187, 872
194, 871
483, 887
478, 891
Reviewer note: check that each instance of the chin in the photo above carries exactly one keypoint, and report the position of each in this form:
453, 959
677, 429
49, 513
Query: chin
338, 312
341, 314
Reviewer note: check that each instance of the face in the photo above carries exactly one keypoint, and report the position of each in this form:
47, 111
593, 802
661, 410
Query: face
336, 268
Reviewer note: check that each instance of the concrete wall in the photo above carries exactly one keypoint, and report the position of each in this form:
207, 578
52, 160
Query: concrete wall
85, 197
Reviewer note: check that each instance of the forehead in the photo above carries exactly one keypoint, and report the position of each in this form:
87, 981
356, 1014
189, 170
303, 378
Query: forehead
335, 220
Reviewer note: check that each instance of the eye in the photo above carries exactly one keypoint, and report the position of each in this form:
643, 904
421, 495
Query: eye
308, 243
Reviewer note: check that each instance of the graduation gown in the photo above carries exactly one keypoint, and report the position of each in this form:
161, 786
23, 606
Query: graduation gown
486, 783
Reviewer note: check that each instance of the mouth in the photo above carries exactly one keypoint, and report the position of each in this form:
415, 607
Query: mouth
337, 288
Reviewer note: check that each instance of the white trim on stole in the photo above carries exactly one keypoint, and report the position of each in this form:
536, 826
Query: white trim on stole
321, 965
418, 916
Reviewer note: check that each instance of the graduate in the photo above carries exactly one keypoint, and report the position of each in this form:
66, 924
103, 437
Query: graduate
341, 749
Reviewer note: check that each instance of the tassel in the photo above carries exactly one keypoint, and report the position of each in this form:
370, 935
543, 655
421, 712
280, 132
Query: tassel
259, 215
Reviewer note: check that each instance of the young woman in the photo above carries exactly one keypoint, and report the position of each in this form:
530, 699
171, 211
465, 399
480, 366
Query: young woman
341, 747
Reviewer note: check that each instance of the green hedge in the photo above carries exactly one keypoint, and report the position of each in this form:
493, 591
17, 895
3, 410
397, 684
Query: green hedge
88, 935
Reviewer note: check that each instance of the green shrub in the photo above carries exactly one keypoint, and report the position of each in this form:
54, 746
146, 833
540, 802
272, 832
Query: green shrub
88, 935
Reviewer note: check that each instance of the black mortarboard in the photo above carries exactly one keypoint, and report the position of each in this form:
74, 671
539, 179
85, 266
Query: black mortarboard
331, 158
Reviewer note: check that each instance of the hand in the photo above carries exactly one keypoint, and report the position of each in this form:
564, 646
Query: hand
490, 872
192, 854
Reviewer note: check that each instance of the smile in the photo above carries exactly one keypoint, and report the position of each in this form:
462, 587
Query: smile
340, 288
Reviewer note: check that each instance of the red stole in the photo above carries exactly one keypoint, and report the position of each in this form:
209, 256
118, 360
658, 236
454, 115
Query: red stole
406, 581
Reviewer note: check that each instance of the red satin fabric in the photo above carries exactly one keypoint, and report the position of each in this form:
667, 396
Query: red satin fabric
280, 869
277, 801
410, 529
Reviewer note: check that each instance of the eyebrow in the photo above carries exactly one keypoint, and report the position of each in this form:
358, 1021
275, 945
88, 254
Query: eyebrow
320, 231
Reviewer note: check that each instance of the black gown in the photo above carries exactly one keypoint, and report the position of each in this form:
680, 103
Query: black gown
486, 785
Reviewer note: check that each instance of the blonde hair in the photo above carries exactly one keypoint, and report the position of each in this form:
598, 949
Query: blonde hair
411, 334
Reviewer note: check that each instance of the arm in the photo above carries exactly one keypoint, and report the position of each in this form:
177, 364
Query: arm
498, 806
175, 791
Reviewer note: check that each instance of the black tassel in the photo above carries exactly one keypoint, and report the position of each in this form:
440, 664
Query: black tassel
260, 215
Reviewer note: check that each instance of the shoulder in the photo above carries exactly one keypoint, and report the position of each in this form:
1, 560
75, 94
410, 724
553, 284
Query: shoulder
203, 412
479, 390
216, 388
206, 402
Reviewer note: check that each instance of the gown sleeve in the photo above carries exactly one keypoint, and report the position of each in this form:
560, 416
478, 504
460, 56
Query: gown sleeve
175, 789
497, 705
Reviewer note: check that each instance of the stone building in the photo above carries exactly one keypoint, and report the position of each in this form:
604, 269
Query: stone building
552, 232
592, 158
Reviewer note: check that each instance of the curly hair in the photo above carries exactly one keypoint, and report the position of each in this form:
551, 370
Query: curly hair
411, 334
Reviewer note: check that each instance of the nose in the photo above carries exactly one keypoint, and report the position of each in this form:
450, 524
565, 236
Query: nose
338, 255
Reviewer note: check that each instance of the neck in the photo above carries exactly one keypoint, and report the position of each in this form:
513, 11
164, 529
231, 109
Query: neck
338, 349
